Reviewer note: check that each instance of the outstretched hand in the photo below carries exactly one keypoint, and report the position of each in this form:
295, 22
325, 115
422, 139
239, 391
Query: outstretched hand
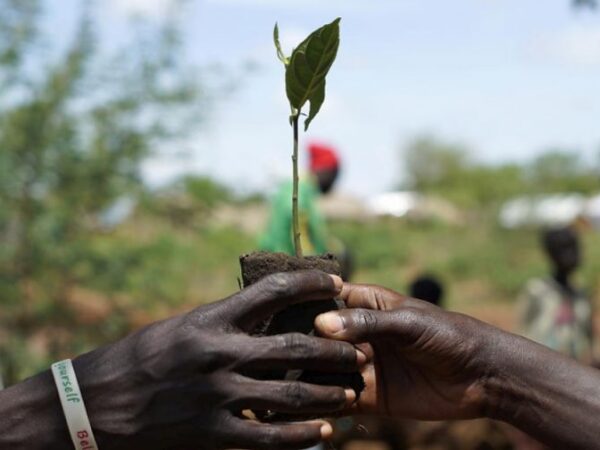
422, 362
429, 364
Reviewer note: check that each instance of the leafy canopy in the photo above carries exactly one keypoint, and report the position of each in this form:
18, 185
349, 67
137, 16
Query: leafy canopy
308, 66
452, 171
77, 118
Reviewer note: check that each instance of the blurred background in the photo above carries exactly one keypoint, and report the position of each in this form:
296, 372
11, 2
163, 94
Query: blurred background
141, 140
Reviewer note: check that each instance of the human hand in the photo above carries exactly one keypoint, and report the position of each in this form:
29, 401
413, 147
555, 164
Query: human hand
422, 362
184, 382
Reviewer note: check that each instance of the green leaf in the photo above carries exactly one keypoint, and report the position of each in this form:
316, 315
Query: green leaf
308, 66
315, 104
284, 59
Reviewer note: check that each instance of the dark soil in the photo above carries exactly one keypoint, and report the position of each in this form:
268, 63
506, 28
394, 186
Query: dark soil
258, 265
297, 318
300, 318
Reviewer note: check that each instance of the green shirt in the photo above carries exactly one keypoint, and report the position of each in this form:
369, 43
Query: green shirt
279, 237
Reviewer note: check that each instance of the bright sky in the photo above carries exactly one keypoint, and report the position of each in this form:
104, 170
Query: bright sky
509, 78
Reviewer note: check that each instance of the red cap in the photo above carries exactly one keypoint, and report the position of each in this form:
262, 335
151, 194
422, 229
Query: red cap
322, 157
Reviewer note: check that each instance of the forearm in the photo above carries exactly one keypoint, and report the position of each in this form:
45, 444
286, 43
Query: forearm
549, 396
31, 417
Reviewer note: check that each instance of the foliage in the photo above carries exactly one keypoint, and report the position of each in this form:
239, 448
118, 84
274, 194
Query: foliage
205, 191
307, 68
146, 270
450, 171
74, 126
481, 264
305, 73
72, 134
562, 171
188, 202
431, 163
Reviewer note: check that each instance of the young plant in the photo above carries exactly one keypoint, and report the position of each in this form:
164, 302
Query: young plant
305, 72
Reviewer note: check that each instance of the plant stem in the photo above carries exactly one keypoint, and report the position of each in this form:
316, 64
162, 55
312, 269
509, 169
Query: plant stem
295, 180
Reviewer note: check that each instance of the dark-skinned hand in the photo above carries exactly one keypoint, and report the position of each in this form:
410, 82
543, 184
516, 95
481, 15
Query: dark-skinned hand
430, 364
421, 363
184, 382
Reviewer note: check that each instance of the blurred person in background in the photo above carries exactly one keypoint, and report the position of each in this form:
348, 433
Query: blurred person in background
429, 288
324, 169
553, 310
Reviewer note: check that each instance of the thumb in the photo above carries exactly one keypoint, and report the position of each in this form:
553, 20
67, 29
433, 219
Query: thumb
361, 325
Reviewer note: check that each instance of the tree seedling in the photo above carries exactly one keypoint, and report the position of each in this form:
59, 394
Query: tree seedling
305, 72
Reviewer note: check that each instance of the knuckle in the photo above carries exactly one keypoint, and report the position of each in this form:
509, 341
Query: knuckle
367, 321
461, 332
212, 316
410, 316
411, 319
297, 344
279, 284
414, 323
296, 395
207, 351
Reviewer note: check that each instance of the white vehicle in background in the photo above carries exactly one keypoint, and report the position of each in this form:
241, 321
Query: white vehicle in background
415, 206
395, 204
592, 211
549, 211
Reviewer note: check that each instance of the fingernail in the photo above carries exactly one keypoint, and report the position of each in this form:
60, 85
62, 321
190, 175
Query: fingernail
326, 430
337, 282
350, 397
361, 358
331, 323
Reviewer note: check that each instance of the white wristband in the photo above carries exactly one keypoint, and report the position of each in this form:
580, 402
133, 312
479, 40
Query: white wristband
73, 407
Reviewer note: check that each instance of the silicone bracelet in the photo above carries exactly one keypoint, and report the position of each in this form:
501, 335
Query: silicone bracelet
73, 406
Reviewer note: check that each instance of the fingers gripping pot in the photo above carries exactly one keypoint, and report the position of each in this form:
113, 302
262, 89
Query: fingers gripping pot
296, 318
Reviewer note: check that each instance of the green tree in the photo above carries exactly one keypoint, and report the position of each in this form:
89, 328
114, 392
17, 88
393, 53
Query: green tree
74, 128
189, 201
431, 163
448, 170
562, 171
205, 191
